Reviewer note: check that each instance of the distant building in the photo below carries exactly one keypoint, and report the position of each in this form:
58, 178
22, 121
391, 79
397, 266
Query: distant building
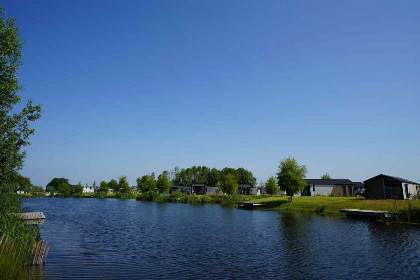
182, 189
199, 189
213, 190
245, 189
390, 187
88, 190
335, 187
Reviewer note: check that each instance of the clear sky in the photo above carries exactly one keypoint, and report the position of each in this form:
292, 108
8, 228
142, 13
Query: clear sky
131, 87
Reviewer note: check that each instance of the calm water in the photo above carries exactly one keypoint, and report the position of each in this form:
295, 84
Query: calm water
128, 239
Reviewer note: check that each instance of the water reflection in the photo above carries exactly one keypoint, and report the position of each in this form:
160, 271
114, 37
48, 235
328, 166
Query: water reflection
127, 239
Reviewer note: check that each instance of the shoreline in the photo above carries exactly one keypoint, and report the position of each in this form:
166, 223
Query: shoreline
407, 211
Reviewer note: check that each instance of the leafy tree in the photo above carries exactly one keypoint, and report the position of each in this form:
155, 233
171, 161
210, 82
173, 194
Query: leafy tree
146, 183
103, 187
35, 189
77, 189
290, 176
123, 185
113, 184
64, 188
246, 177
214, 177
271, 186
95, 186
162, 183
60, 185
14, 125
230, 184
326, 176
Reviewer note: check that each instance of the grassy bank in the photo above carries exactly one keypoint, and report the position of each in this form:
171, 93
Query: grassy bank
16, 239
177, 197
409, 210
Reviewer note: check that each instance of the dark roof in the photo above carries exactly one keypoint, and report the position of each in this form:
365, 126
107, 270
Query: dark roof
329, 181
359, 184
395, 178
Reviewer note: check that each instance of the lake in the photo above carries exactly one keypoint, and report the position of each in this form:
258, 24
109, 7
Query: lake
129, 239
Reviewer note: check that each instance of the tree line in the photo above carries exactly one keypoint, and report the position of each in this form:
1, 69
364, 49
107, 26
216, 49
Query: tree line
226, 179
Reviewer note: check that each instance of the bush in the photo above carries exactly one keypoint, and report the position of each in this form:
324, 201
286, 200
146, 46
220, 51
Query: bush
149, 196
101, 195
125, 195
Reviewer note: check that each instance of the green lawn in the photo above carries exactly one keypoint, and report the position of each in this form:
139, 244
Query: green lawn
326, 204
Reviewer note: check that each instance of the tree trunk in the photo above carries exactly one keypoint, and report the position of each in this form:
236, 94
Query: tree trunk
291, 198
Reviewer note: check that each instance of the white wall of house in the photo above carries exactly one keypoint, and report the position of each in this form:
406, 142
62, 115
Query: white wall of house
412, 190
88, 190
255, 191
321, 190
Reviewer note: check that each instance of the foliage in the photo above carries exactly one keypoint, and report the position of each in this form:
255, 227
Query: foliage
326, 176
14, 125
77, 189
290, 176
146, 183
103, 187
271, 186
149, 196
230, 184
213, 177
113, 184
123, 185
100, 194
175, 194
162, 183
19, 235
61, 185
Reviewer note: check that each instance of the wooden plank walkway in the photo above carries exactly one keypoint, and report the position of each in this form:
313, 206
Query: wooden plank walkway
250, 205
31, 215
366, 213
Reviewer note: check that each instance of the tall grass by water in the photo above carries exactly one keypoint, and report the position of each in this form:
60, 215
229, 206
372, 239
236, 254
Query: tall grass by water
16, 239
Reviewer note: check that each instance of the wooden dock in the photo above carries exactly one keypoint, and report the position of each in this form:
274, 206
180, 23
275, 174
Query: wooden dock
32, 217
250, 205
366, 213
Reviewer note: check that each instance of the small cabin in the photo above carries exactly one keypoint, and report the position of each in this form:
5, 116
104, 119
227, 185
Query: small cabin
390, 187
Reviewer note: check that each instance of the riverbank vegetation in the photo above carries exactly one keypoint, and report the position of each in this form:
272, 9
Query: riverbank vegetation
406, 210
16, 239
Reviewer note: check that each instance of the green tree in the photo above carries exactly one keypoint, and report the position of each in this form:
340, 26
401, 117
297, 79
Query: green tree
162, 183
77, 189
103, 187
326, 176
60, 185
14, 125
64, 188
271, 186
123, 185
113, 184
246, 177
146, 183
230, 184
290, 177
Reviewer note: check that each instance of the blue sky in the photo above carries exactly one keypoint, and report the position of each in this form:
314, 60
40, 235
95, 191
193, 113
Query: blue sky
131, 87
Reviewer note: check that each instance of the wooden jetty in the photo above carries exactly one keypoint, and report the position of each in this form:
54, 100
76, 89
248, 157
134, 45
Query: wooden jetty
250, 205
366, 213
32, 217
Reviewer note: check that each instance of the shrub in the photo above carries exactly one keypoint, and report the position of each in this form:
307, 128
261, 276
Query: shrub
125, 195
149, 196
101, 195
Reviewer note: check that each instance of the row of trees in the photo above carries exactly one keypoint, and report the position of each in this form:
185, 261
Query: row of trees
289, 178
227, 179
17, 183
